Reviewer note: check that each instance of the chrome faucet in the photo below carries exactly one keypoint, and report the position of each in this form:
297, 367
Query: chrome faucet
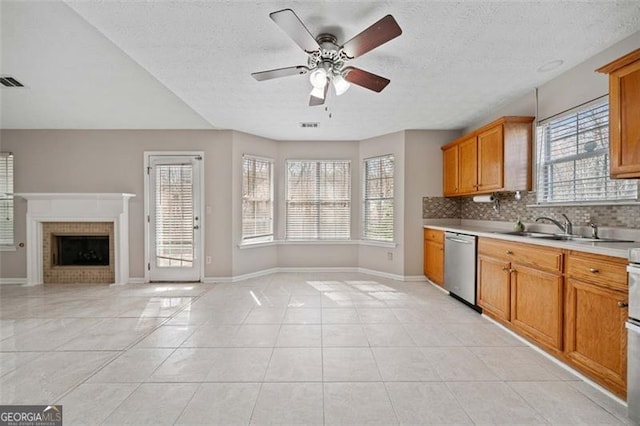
566, 228
594, 230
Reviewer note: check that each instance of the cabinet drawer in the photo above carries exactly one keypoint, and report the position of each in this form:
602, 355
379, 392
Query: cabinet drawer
602, 270
434, 235
527, 254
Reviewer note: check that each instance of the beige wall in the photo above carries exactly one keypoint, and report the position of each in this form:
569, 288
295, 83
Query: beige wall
254, 259
373, 257
423, 178
112, 161
574, 87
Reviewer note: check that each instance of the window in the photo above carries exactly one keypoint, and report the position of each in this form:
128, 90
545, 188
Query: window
257, 199
6, 199
378, 198
573, 158
318, 200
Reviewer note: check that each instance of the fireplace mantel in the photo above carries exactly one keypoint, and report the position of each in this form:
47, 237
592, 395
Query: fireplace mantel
77, 207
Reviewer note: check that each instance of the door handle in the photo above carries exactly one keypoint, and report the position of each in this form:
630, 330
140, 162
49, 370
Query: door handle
456, 240
196, 227
622, 304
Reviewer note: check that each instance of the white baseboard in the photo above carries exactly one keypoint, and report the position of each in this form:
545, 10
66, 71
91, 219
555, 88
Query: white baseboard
265, 272
347, 269
558, 362
21, 281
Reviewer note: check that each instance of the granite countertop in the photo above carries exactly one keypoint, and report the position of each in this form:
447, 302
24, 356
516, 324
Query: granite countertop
603, 248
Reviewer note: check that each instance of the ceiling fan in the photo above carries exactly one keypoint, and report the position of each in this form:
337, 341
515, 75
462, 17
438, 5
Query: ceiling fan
327, 60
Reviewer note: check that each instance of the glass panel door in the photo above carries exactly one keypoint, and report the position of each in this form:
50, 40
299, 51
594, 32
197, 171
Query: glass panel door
174, 219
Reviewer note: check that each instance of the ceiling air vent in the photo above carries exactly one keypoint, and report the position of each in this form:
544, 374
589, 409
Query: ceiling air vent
8, 81
309, 125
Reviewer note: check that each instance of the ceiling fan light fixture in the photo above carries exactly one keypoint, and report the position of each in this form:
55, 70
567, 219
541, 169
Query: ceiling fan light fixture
340, 84
318, 78
318, 92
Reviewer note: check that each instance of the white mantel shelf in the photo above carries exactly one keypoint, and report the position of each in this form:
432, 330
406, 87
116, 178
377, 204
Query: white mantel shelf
77, 207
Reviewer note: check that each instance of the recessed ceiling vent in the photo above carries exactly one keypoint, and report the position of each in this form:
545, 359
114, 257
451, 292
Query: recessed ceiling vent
8, 81
309, 125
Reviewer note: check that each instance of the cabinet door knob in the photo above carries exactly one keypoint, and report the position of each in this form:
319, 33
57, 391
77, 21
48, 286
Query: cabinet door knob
506, 268
509, 252
512, 270
622, 304
594, 270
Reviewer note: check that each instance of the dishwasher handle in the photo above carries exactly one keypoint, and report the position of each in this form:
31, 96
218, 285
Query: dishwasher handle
458, 240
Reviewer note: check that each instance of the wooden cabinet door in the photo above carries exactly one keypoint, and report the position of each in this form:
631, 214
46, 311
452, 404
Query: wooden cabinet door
624, 121
434, 262
450, 170
596, 338
491, 159
537, 304
468, 166
494, 290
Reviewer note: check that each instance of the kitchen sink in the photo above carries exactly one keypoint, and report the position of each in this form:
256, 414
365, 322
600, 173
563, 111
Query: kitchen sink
561, 237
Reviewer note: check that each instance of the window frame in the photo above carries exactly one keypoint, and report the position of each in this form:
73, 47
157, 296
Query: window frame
266, 237
8, 194
287, 237
544, 190
365, 180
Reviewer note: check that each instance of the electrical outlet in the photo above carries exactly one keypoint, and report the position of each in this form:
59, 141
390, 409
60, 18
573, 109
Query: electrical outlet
389, 255
208, 260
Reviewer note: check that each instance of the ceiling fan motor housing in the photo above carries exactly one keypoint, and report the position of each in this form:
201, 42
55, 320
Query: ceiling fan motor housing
328, 56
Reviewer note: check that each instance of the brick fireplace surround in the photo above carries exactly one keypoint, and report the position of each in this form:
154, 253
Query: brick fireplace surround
58, 209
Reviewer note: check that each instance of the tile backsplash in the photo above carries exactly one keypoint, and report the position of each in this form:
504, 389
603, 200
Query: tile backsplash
465, 208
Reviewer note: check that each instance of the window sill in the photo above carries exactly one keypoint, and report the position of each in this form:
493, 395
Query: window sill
370, 243
257, 244
8, 248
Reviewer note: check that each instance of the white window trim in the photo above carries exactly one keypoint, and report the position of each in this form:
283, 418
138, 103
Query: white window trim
265, 238
371, 241
11, 246
286, 197
536, 166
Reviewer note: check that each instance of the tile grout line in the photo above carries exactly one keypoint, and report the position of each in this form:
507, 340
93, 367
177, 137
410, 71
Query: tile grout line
130, 346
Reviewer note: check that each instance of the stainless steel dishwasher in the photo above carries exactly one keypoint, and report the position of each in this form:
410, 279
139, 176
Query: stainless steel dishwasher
460, 266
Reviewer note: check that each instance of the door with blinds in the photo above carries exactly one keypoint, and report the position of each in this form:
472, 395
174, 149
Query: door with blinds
174, 219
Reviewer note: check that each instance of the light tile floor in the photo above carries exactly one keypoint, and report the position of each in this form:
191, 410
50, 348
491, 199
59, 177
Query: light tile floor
286, 349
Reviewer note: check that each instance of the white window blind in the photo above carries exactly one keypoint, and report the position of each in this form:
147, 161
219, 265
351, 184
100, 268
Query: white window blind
573, 158
174, 215
318, 200
257, 198
6, 199
378, 198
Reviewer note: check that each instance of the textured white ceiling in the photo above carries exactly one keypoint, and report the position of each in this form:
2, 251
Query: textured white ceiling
454, 62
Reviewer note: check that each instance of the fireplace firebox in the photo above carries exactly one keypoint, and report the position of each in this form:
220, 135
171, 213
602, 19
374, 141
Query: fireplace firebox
80, 250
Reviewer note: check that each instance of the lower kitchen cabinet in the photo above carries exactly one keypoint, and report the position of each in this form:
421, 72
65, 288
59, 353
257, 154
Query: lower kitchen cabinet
434, 255
494, 289
537, 304
522, 285
596, 311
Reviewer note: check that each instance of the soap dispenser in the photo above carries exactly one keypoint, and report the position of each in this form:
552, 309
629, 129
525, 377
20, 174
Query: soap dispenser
519, 226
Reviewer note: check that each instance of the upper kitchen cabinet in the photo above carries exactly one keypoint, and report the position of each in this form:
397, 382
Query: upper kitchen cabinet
496, 157
624, 115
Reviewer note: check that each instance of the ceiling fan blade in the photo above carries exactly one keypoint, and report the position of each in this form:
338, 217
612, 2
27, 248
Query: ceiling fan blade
365, 79
315, 101
377, 34
293, 26
280, 72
